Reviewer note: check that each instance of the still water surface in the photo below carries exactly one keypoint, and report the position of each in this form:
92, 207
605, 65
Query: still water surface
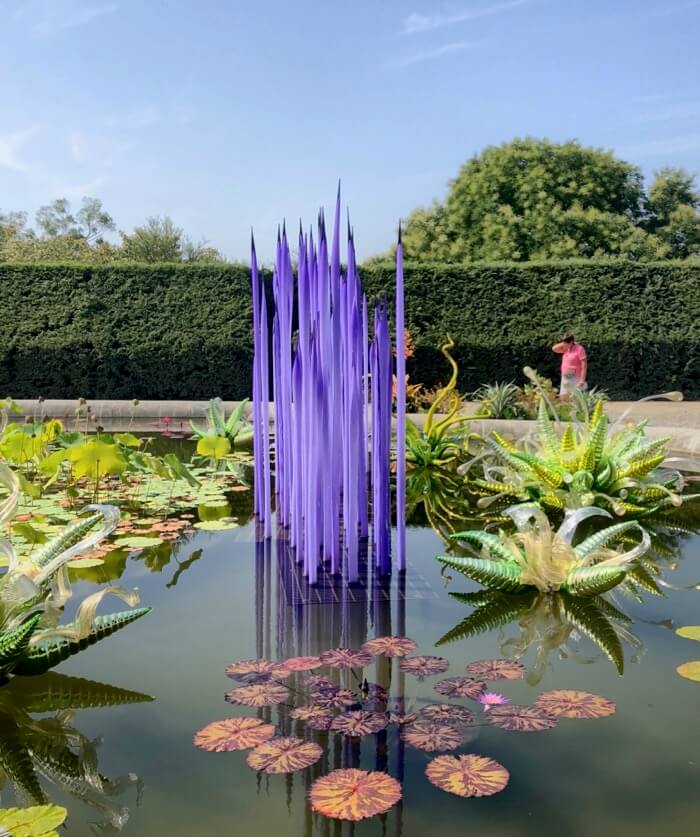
635, 773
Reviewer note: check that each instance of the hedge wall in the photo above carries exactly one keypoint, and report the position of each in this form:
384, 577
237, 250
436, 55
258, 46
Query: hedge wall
183, 331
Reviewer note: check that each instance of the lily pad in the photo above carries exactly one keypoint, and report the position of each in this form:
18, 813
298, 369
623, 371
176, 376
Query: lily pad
261, 694
233, 734
284, 755
521, 718
467, 775
691, 670
354, 794
85, 563
424, 666
447, 713
431, 736
690, 632
346, 658
496, 670
356, 724
138, 542
390, 646
568, 703
35, 821
335, 698
463, 687
216, 525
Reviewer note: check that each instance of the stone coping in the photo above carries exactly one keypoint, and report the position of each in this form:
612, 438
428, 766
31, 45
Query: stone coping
680, 420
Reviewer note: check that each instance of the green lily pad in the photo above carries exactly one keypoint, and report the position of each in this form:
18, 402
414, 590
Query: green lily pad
691, 670
96, 459
128, 440
37, 821
216, 525
28, 533
138, 542
690, 632
86, 563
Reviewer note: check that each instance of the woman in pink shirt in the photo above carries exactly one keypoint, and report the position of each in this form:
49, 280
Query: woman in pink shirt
574, 365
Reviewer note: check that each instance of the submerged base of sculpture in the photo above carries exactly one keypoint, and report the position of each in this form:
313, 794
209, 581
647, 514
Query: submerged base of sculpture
332, 588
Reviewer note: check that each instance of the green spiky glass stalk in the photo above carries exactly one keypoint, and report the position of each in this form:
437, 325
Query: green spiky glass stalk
580, 464
537, 557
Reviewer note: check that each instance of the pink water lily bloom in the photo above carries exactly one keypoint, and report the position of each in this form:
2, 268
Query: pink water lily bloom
489, 699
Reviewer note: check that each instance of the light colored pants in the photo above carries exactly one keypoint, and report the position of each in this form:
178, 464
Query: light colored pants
569, 383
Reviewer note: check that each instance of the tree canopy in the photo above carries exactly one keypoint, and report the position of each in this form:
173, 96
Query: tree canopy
62, 235
531, 199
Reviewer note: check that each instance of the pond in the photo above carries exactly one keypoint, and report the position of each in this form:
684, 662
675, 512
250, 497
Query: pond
118, 750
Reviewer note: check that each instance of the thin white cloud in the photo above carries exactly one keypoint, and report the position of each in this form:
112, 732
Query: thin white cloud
661, 148
664, 10
430, 54
10, 147
417, 22
48, 17
669, 112
81, 190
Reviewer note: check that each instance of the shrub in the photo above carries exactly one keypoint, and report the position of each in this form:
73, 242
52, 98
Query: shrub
183, 331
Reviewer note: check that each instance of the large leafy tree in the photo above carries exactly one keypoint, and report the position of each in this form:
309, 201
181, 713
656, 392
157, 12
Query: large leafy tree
673, 208
531, 199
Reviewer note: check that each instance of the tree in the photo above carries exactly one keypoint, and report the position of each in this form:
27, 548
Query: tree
93, 221
534, 199
56, 219
671, 189
158, 240
13, 225
200, 252
673, 212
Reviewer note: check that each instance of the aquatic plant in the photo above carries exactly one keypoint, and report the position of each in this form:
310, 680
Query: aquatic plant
438, 442
538, 557
33, 593
584, 464
34, 821
690, 670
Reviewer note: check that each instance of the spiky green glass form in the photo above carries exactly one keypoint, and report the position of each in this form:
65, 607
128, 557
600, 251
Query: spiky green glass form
538, 558
234, 428
438, 443
581, 465
33, 593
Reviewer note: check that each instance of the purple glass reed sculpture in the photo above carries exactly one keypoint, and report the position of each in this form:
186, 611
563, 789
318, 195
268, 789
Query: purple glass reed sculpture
332, 390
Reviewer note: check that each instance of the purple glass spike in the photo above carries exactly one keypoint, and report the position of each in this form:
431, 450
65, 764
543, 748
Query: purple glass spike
327, 382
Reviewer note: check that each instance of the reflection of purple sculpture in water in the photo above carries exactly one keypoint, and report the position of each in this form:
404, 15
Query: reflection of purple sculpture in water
322, 383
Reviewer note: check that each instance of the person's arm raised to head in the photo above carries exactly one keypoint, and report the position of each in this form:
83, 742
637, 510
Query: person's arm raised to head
560, 348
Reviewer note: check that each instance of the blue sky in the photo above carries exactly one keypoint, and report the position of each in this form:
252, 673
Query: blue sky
227, 114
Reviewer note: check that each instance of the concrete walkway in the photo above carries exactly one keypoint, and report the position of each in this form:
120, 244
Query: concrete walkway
681, 420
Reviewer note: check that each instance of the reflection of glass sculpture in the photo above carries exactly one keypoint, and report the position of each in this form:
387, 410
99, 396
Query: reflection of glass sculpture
538, 557
34, 591
546, 623
51, 751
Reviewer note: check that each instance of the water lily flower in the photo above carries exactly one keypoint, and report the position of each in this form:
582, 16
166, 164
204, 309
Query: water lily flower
489, 699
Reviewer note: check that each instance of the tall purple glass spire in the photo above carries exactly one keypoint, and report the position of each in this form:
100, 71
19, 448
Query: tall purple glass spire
332, 390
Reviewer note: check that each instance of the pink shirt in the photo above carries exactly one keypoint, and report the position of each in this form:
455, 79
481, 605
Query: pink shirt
572, 360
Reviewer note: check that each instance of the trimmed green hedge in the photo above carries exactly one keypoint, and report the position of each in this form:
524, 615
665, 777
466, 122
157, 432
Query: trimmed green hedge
639, 322
183, 331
